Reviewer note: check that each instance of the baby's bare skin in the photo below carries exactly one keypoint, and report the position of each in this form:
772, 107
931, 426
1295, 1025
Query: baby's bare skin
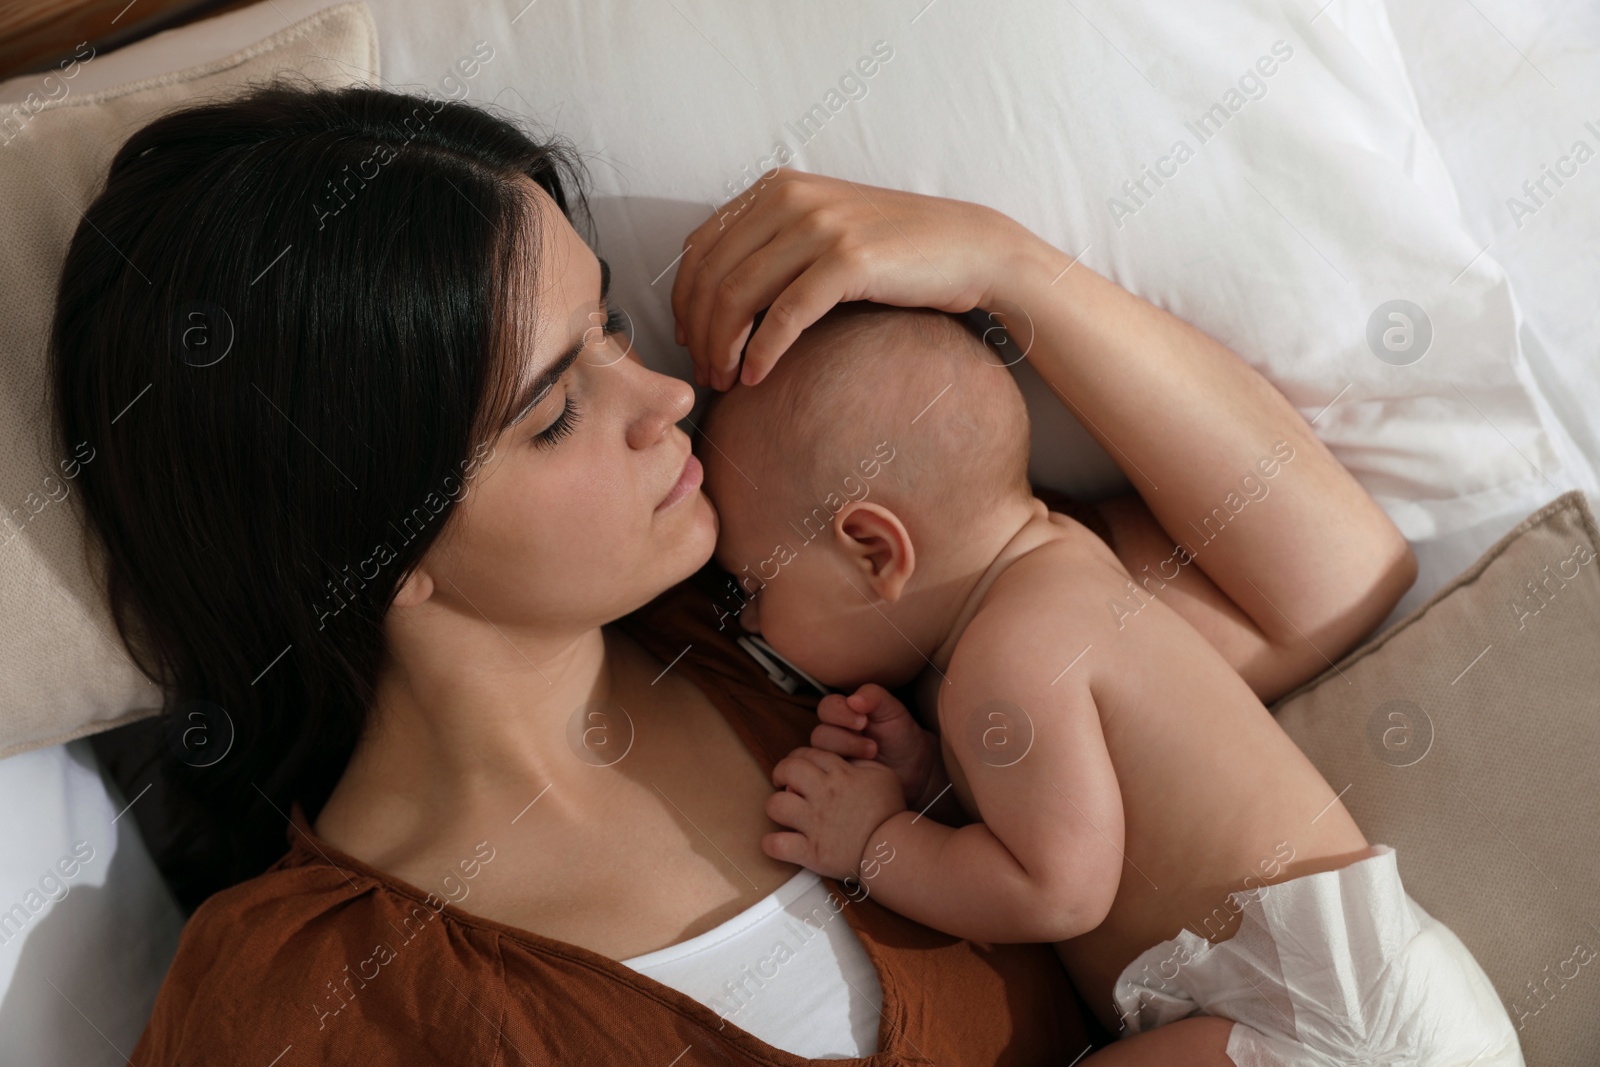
1207, 794
1123, 776
1113, 775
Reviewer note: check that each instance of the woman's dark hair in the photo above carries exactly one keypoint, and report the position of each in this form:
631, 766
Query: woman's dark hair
288, 327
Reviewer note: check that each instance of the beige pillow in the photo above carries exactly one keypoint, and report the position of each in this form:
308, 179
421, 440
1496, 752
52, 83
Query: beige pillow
1468, 736
63, 672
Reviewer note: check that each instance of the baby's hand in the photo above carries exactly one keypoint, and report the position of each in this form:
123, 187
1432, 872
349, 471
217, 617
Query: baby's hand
832, 806
871, 724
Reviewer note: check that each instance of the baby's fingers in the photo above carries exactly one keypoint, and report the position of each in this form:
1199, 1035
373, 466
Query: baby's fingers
833, 709
786, 808
788, 847
843, 742
876, 703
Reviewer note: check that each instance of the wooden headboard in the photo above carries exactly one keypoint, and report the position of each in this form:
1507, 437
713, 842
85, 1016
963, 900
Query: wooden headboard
36, 35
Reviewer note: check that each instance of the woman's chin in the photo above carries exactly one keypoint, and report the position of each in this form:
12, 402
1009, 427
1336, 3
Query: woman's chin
692, 533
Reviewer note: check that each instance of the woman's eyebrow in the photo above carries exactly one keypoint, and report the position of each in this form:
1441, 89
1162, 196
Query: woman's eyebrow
546, 381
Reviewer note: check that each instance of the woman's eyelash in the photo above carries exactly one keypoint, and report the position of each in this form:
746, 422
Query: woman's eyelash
563, 425
616, 319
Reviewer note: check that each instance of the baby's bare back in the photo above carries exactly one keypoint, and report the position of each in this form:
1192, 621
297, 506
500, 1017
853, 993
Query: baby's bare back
1214, 796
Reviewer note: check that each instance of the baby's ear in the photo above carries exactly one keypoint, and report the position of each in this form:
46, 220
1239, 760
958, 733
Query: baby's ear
877, 547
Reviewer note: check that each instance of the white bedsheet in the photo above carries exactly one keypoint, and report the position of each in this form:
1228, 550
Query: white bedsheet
87, 927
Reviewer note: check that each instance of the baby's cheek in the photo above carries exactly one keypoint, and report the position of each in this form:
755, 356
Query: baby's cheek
785, 625
814, 636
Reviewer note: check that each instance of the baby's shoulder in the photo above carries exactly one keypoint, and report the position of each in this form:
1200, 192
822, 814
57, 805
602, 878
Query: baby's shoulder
1049, 602
1056, 577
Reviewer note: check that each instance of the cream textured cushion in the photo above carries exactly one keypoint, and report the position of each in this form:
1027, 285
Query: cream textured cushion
1467, 736
63, 672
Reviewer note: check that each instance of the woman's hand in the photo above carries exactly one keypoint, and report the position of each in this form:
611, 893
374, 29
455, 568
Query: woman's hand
799, 243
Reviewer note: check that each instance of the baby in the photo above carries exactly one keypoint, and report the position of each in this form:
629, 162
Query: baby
1073, 774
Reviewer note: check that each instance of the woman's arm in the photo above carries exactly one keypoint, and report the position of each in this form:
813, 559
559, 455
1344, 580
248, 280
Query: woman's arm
1282, 584
1134, 536
1292, 562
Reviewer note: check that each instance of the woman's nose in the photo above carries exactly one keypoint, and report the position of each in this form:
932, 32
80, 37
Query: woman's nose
680, 396
667, 401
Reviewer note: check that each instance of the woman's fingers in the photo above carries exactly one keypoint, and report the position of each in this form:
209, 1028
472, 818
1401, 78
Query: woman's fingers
803, 302
696, 247
770, 244
790, 212
705, 237
801, 243
748, 286
709, 273
737, 228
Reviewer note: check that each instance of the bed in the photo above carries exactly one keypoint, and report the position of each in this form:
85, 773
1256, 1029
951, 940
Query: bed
1346, 162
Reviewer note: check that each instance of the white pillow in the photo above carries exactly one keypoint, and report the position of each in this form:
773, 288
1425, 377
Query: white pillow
1510, 94
63, 672
1320, 199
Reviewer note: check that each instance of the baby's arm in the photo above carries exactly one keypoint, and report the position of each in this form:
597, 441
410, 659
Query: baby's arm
1045, 863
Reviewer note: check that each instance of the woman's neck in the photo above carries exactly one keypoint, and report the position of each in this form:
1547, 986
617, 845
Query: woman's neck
474, 721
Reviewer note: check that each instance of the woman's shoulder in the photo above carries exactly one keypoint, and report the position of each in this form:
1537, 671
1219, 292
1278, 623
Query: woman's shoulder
318, 953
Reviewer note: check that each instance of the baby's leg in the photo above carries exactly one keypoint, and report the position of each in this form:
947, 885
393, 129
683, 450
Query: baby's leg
1199, 1041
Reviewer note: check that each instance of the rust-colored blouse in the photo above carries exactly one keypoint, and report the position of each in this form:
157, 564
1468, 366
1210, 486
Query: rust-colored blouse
323, 959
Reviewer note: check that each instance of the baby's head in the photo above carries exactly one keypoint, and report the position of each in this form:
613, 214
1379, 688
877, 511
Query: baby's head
857, 478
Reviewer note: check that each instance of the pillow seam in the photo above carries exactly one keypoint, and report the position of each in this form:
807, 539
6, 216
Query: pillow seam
237, 58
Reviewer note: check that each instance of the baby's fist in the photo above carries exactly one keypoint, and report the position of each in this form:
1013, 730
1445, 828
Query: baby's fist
832, 806
871, 724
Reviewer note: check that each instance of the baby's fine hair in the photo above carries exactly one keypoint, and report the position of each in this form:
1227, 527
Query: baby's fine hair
866, 378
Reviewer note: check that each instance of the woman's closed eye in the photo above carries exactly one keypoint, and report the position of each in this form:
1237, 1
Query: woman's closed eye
616, 322
564, 424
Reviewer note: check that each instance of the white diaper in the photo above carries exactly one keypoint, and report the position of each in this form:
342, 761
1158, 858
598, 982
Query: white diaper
1336, 968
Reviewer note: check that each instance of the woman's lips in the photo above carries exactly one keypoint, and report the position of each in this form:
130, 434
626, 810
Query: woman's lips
687, 483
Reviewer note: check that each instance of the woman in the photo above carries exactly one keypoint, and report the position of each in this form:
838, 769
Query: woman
379, 472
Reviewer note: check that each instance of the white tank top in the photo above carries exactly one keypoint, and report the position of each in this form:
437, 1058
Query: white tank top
788, 969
